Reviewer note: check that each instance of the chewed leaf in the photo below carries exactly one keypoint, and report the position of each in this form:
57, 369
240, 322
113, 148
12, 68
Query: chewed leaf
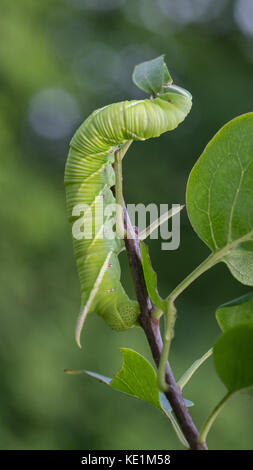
152, 76
136, 378
235, 312
151, 279
233, 357
220, 197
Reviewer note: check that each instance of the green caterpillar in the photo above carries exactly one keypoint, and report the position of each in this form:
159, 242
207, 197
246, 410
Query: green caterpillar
89, 177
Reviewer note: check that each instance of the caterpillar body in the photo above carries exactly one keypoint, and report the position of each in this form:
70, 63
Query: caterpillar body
89, 177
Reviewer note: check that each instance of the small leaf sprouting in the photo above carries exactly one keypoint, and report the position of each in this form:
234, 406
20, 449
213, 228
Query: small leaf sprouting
152, 76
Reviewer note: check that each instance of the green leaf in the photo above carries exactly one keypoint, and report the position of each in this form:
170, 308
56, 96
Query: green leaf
152, 76
220, 197
235, 312
233, 357
151, 280
136, 378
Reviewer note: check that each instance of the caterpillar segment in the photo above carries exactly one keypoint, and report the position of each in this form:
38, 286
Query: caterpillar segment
89, 177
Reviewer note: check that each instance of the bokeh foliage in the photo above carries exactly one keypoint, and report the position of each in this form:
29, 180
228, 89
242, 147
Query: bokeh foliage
59, 61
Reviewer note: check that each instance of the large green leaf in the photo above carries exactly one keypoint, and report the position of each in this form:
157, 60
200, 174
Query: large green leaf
233, 357
152, 76
151, 279
220, 197
235, 312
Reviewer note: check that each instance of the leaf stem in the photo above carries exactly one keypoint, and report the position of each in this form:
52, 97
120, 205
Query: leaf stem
119, 154
203, 267
178, 431
147, 231
152, 331
208, 263
192, 369
212, 417
170, 319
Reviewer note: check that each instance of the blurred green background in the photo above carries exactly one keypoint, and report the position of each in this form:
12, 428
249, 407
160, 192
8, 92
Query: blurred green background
59, 61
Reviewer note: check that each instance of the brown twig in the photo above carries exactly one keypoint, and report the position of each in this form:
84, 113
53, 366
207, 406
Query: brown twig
152, 331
